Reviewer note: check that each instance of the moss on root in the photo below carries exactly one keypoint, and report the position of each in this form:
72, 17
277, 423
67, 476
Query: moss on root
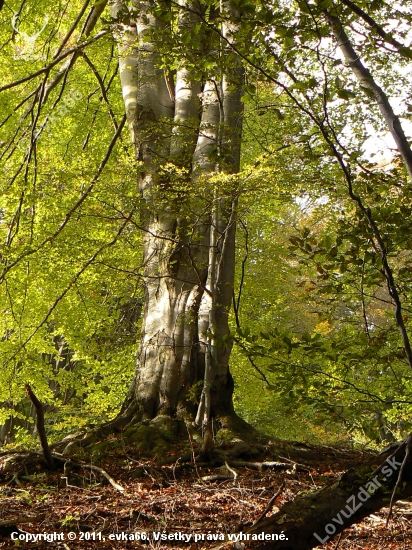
151, 438
154, 438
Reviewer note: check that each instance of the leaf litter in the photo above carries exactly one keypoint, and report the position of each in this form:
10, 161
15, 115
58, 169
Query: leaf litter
171, 499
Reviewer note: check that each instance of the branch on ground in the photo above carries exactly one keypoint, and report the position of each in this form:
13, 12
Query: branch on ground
316, 518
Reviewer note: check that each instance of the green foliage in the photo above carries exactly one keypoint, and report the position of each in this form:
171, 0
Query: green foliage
71, 272
315, 323
317, 353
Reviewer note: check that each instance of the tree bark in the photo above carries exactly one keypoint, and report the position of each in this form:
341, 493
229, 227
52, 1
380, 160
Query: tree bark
179, 126
367, 82
318, 517
48, 457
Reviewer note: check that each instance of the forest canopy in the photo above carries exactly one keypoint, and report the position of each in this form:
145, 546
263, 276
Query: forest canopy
233, 157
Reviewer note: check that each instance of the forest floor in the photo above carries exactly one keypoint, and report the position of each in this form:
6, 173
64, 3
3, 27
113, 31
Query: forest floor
172, 500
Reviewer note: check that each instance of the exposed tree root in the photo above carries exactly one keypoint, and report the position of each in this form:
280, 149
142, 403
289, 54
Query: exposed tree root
85, 439
112, 482
231, 428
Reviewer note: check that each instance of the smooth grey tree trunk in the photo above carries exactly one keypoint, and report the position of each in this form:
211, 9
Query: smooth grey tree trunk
185, 129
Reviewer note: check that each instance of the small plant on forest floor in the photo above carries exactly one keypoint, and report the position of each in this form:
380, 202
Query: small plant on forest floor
45, 497
69, 520
25, 496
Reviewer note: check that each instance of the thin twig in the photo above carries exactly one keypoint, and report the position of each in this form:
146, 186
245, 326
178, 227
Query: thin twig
73, 209
405, 461
112, 482
270, 503
193, 453
339, 539
53, 63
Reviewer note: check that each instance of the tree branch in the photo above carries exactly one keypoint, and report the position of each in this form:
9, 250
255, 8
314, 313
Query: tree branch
54, 62
73, 209
367, 82
388, 37
69, 286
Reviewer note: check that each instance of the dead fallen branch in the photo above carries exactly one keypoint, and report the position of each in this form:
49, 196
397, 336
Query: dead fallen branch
270, 503
216, 477
263, 465
22, 519
316, 518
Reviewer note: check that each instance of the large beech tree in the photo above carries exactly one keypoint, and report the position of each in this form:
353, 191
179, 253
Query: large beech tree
186, 127
182, 88
182, 68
